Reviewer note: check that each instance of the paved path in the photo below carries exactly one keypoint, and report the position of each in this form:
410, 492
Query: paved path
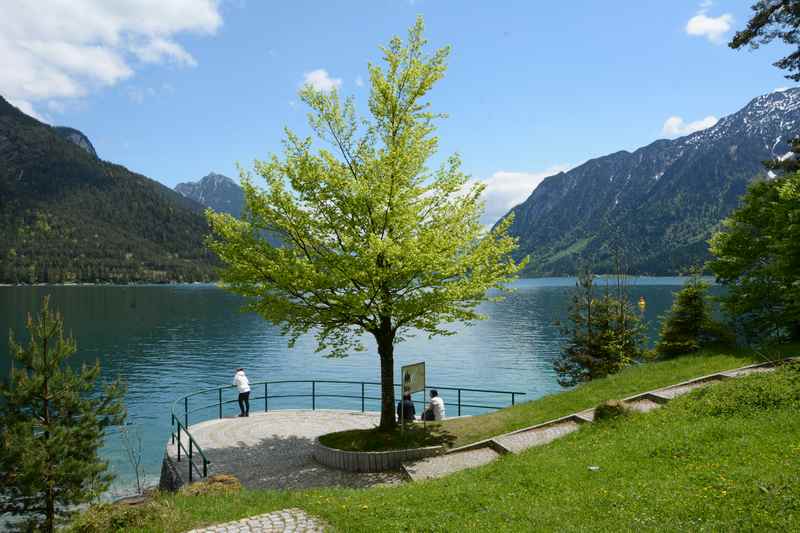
273, 450
295, 520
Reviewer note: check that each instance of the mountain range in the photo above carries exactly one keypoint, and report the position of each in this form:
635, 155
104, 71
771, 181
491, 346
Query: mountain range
216, 191
68, 216
658, 204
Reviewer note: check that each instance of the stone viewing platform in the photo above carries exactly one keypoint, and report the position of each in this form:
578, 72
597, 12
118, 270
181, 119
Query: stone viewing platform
272, 450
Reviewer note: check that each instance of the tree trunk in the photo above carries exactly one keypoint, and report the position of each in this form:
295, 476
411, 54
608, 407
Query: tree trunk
385, 339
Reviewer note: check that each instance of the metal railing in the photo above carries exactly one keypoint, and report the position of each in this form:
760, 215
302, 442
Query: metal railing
182, 426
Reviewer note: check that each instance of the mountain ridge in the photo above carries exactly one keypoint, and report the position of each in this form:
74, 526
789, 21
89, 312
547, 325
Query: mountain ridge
660, 202
216, 191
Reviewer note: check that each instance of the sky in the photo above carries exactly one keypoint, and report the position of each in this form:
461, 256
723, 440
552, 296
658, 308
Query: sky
175, 89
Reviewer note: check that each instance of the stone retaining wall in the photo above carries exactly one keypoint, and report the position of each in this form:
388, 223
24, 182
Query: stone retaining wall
370, 461
171, 479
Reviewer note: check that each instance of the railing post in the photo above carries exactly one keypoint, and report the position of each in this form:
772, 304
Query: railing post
172, 422
179, 442
362, 396
313, 395
513, 397
205, 467
459, 402
186, 412
266, 397
220, 402
191, 464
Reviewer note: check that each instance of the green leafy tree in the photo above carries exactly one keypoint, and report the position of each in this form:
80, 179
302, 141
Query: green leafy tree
604, 334
774, 19
375, 242
52, 420
689, 325
757, 258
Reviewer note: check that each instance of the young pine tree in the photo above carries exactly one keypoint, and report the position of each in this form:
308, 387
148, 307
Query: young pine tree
688, 324
52, 419
604, 334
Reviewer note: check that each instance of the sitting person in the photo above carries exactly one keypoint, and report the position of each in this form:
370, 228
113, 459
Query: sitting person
435, 409
405, 409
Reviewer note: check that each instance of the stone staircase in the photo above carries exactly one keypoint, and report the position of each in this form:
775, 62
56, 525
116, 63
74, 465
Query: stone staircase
486, 451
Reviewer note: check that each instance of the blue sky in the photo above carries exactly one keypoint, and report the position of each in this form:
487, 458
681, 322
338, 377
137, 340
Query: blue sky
177, 88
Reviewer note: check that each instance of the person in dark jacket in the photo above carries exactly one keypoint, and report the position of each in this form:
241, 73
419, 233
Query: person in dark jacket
405, 409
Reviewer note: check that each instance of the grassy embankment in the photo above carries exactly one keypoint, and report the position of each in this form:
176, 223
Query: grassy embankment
718, 460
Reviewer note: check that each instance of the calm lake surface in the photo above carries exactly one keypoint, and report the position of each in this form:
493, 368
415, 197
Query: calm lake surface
167, 341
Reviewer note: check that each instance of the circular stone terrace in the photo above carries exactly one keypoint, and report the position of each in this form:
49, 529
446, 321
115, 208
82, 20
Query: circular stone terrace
273, 450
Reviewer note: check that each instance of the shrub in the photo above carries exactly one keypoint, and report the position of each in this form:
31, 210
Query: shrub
611, 409
217, 484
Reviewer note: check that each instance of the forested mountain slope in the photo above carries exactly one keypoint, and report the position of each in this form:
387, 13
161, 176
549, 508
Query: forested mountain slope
66, 215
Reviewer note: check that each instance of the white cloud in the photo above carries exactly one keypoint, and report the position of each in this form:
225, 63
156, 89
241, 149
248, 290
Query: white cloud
359, 81
505, 190
675, 125
712, 28
780, 89
139, 94
54, 49
320, 80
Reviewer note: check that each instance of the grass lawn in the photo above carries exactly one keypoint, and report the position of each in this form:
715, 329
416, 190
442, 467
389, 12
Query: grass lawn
723, 458
632, 380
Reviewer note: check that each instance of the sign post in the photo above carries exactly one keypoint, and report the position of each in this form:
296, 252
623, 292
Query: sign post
412, 378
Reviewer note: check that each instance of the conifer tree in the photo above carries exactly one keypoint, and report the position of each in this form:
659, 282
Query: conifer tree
604, 334
688, 325
52, 420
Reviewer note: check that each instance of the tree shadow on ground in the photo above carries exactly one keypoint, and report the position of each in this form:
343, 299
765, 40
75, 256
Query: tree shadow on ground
286, 462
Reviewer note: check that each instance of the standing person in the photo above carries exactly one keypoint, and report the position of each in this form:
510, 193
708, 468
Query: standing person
435, 409
243, 384
405, 409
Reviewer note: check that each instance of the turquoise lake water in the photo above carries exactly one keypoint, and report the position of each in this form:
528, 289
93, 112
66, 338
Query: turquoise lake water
167, 341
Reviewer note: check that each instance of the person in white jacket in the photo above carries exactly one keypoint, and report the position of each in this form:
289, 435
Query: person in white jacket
243, 384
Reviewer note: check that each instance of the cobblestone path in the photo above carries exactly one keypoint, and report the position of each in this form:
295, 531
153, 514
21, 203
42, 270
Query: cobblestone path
295, 520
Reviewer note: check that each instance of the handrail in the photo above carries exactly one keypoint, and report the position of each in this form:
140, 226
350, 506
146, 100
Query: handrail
183, 425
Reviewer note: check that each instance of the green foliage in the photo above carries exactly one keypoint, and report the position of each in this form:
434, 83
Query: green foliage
604, 334
688, 325
66, 216
52, 420
413, 435
752, 394
610, 410
375, 242
757, 258
774, 19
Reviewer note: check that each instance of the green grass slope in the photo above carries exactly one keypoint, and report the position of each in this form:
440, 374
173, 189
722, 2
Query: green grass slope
723, 458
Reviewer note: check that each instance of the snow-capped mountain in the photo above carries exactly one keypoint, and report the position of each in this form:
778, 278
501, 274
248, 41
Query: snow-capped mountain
660, 203
216, 191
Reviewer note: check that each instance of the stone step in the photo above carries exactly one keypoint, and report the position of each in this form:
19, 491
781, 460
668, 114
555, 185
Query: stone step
442, 465
528, 438
748, 371
643, 405
670, 393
